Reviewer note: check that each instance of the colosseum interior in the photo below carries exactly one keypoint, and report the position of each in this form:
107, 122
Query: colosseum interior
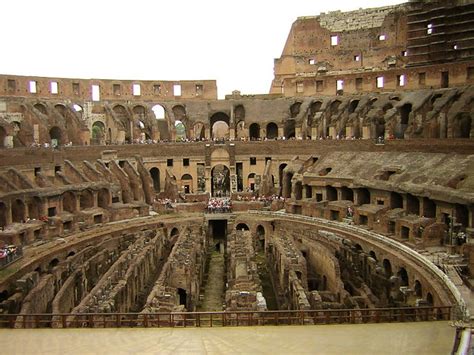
345, 195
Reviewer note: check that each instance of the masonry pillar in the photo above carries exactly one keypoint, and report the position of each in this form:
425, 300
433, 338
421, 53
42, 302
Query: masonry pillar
36, 136
280, 132
8, 142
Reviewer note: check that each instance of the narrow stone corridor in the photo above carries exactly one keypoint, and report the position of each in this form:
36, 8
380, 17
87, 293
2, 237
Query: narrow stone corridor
213, 293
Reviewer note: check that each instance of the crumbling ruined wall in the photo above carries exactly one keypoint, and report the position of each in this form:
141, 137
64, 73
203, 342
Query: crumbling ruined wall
244, 290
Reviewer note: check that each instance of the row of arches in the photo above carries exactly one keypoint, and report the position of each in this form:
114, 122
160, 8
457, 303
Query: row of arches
18, 210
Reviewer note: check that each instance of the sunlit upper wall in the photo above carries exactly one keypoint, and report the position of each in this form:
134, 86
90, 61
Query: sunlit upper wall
106, 89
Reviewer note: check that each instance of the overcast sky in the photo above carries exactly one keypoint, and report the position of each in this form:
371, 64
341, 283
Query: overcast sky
233, 42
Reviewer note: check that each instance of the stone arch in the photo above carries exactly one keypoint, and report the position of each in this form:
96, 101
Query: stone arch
418, 289
251, 181
462, 125
334, 107
242, 226
18, 211
103, 198
174, 232
353, 105
140, 111
61, 109
219, 125
98, 133
187, 183
331, 193
272, 130
379, 127
53, 263
69, 201
35, 208
159, 112
220, 183
260, 233
179, 112
429, 299
254, 131
363, 196
315, 107
180, 130
86, 199
373, 255
239, 113
413, 204
287, 184
403, 275
387, 267
155, 176
347, 194
55, 134
3, 214
396, 200
41, 108
289, 129
295, 109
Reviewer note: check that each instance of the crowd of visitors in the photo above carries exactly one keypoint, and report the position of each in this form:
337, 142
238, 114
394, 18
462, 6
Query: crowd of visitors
9, 253
219, 205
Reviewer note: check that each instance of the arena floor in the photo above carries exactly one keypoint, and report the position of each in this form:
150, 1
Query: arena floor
396, 338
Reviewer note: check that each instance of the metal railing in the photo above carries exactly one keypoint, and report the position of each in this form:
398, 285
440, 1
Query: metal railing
226, 318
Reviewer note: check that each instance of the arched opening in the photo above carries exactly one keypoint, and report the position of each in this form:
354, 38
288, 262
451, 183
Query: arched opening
387, 267
353, 105
187, 183
55, 136
418, 289
280, 173
174, 232
254, 131
71, 253
335, 106
251, 182
429, 299
4, 295
315, 107
462, 215
139, 111
3, 214
41, 108
363, 196
160, 116
404, 118
403, 275
220, 186
103, 198
98, 133
347, 194
413, 204
155, 176
53, 263
18, 211
3, 135
35, 208
429, 208
69, 202
396, 200
159, 112
331, 193
380, 127
239, 113
295, 109
182, 297
289, 129
219, 125
272, 131
86, 200
373, 255
462, 125
242, 226
180, 131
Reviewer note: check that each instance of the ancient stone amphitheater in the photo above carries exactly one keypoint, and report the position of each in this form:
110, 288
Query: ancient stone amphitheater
345, 196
